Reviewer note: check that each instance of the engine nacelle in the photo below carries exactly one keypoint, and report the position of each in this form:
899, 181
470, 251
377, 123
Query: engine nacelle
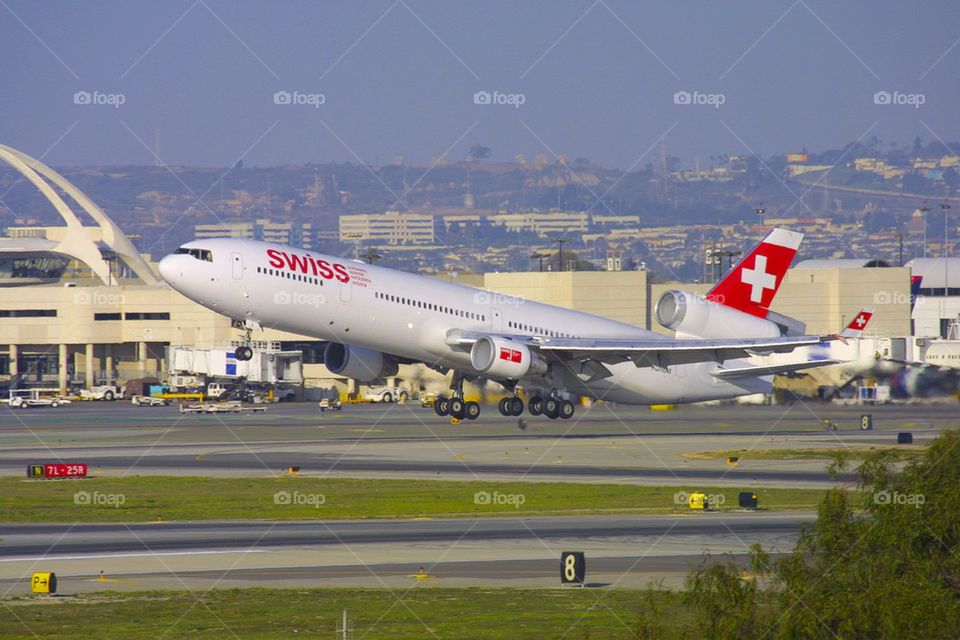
693, 316
505, 359
358, 363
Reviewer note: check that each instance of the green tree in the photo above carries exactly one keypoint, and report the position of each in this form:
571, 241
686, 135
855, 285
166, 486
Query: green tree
880, 562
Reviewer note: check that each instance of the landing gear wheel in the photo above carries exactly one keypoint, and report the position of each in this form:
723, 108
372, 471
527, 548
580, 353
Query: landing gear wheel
535, 405
457, 408
551, 408
566, 409
471, 410
504, 407
516, 406
441, 406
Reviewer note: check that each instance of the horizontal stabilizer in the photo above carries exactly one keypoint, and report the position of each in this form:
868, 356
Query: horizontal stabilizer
773, 369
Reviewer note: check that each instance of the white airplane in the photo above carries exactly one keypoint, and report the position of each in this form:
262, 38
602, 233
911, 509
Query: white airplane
377, 318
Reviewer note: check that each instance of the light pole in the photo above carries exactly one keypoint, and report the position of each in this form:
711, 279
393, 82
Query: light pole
560, 242
924, 210
946, 252
540, 256
760, 211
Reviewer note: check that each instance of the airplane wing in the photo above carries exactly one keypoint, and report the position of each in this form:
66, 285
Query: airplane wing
656, 353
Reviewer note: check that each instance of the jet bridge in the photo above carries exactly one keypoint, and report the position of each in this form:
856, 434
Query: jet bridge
269, 364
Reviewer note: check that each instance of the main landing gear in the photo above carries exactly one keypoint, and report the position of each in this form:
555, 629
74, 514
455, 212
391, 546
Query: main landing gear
551, 407
456, 406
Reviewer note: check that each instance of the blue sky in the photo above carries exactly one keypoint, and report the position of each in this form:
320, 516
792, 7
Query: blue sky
377, 80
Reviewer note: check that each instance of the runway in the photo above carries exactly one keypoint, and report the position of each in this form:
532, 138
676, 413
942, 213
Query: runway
628, 550
606, 444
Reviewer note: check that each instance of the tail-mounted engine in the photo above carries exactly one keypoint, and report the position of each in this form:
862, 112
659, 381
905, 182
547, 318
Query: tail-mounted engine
693, 316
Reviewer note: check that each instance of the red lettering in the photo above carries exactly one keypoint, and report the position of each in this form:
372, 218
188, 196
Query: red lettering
343, 275
275, 260
504, 354
515, 356
296, 262
324, 267
313, 265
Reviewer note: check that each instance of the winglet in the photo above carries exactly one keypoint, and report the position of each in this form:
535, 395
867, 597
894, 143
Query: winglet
751, 285
857, 325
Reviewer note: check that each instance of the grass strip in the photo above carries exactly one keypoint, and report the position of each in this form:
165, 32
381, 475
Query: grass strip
152, 498
479, 613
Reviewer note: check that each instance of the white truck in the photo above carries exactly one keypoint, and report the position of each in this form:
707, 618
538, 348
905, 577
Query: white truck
25, 398
102, 392
386, 394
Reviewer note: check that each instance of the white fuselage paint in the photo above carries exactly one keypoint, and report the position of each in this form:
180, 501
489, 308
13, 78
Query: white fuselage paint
411, 316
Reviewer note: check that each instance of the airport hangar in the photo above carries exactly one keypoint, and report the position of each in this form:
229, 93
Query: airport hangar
81, 306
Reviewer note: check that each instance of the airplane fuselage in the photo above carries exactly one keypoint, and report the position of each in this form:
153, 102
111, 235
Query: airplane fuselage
416, 318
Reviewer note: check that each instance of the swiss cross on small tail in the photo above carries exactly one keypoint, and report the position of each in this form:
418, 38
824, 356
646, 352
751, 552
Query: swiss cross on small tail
751, 285
510, 355
857, 325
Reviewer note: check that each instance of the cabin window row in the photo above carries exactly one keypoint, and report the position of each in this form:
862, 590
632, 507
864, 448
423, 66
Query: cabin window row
429, 306
540, 331
289, 275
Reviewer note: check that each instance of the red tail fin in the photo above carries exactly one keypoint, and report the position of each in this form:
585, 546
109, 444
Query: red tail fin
751, 285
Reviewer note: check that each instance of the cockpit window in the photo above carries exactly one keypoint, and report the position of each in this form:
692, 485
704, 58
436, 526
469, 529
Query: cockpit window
200, 254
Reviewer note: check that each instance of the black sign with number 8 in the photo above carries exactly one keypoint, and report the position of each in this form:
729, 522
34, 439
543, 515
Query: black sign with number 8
573, 567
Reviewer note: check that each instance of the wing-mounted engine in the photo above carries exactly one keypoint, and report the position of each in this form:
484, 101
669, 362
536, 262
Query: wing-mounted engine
502, 358
357, 363
693, 316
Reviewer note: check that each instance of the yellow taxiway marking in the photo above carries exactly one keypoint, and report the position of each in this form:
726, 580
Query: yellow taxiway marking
102, 579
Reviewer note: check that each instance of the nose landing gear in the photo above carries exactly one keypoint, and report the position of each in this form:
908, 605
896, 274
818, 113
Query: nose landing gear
244, 352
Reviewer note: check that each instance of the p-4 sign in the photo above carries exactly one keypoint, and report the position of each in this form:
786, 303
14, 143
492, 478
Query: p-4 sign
43, 583
573, 567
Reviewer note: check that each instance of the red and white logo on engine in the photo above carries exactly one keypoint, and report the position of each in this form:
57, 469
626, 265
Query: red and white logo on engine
510, 355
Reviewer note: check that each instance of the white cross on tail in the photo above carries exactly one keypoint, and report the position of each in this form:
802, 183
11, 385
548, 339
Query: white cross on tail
758, 278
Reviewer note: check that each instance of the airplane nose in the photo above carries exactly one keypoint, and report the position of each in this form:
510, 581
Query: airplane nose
169, 270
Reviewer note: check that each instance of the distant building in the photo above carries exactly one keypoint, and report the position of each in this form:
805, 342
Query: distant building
392, 227
543, 224
295, 234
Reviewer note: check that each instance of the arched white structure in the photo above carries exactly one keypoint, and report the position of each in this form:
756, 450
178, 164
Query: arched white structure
77, 244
